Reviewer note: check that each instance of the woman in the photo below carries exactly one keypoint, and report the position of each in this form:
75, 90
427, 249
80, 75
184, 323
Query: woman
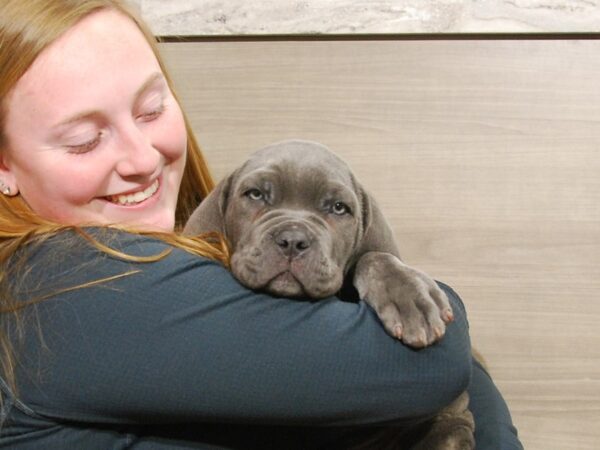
117, 332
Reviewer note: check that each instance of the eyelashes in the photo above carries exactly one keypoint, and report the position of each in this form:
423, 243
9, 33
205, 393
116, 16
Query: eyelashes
151, 115
91, 144
86, 146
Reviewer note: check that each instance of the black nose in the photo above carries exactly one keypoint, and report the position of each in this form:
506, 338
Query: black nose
292, 243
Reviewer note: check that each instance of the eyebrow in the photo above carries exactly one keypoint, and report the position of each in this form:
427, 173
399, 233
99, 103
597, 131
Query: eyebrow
92, 112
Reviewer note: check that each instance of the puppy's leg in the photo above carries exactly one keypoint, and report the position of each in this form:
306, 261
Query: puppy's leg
452, 429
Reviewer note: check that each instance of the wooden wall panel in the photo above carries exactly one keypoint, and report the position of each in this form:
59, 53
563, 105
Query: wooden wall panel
485, 155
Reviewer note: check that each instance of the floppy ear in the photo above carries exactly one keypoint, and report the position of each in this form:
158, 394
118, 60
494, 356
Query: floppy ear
209, 215
377, 235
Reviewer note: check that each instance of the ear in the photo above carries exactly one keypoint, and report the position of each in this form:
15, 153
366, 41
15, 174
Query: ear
8, 182
209, 215
377, 235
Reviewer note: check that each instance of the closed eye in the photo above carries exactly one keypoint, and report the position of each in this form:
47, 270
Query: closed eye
152, 115
86, 146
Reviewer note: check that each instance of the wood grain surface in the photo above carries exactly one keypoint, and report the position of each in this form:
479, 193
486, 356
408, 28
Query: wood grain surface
485, 156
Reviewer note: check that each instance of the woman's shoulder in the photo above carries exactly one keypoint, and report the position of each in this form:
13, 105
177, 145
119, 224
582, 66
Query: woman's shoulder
93, 242
97, 255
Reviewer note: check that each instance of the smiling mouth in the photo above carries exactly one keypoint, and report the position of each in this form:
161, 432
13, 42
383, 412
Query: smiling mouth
134, 198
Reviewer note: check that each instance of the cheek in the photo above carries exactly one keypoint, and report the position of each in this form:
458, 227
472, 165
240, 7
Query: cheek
345, 231
81, 190
61, 195
240, 222
71, 184
170, 138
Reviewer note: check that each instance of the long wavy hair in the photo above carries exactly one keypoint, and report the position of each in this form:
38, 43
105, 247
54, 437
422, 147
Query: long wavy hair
27, 27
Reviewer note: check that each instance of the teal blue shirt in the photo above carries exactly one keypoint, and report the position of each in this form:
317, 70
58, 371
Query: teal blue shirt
177, 354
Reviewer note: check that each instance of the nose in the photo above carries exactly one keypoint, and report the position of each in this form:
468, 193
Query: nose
292, 243
137, 157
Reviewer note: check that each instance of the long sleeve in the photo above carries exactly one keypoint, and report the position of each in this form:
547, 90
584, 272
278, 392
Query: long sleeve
181, 341
494, 429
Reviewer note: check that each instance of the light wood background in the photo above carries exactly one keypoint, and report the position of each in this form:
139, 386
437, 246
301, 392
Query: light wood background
485, 155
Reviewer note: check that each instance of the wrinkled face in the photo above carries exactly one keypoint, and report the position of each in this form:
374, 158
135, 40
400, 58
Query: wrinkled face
94, 132
293, 222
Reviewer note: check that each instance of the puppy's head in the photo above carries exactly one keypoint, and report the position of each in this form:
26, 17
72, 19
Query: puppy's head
294, 216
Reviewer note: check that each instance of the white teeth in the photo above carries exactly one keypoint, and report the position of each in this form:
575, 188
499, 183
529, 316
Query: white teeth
138, 197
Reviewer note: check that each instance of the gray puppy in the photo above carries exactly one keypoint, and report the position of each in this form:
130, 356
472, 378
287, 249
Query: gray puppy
299, 224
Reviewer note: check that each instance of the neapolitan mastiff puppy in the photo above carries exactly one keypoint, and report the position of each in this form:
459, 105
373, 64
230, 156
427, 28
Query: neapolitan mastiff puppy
298, 223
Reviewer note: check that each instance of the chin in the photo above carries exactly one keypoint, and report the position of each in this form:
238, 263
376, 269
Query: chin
159, 223
166, 225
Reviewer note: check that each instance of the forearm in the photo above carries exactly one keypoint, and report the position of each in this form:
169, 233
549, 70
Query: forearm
182, 341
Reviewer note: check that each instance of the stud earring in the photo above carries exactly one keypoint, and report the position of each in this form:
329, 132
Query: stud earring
4, 188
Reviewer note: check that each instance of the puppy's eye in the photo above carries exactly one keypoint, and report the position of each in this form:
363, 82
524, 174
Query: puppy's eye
254, 194
340, 208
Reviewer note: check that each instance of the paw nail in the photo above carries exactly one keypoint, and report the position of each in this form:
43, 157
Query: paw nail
398, 331
448, 315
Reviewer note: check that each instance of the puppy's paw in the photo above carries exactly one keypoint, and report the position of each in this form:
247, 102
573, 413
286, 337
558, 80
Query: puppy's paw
410, 304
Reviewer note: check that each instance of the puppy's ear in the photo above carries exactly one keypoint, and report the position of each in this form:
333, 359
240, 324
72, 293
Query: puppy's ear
209, 215
377, 235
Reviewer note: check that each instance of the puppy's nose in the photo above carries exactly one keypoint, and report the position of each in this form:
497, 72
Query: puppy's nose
292, 243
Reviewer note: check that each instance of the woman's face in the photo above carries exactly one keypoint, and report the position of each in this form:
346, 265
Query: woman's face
95, 134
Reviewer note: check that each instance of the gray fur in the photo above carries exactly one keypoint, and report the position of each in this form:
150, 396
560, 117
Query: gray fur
301, 182
283, 215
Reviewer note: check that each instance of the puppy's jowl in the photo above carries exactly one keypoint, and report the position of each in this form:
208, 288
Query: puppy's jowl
299, 223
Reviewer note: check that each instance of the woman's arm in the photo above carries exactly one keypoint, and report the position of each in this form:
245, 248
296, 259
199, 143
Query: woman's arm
182, 341
494, 429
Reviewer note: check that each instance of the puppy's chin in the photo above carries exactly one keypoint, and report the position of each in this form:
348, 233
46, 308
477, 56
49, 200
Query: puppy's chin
284, 279
285, 285
288, 285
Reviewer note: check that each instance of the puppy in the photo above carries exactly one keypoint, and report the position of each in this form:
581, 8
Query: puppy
300, 225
